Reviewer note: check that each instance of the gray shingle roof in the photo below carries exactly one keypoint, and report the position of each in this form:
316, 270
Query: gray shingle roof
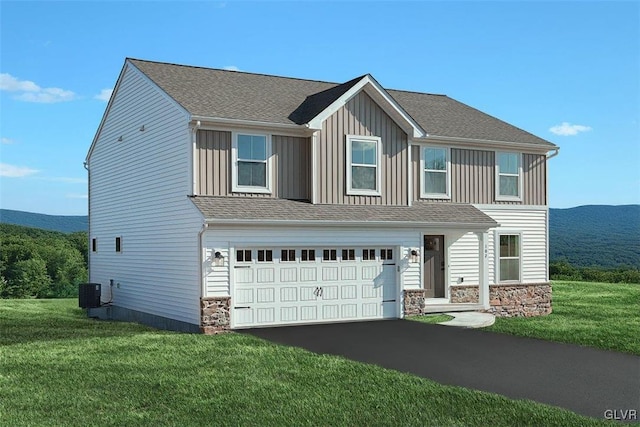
256, 97
270, 209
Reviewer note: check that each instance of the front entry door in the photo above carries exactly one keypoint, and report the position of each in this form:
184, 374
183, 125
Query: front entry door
434, 266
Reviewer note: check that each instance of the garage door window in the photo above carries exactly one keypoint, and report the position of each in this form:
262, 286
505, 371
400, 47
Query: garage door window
368, 254
386, 254
348, 254
329, 255
308, 255
288, 255
265, 255
243, 256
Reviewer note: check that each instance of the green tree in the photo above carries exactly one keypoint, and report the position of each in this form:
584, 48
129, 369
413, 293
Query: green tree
27, 279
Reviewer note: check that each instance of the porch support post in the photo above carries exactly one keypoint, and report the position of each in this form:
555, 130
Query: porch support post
483, 262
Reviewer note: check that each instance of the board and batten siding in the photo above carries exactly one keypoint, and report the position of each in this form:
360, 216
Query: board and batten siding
138, 191
361, 116
290, 173
473, 177
225, 240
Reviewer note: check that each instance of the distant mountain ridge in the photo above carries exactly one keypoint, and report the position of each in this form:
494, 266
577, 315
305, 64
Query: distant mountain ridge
596, 235
592, 235
62, 223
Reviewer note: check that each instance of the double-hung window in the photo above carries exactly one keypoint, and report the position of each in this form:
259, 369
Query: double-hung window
364, 165
509, 257
508, 176
251, 163
436, 178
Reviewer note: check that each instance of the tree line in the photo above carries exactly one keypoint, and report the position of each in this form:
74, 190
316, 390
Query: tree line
38, 263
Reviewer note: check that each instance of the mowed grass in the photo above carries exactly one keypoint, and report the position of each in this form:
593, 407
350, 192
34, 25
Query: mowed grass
58, 368
431, 318
603, 315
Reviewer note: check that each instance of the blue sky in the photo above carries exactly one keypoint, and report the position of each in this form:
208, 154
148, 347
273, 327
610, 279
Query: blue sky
566, 71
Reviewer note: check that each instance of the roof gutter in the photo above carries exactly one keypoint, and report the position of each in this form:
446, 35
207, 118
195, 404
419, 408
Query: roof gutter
248, 123
359, 224
485, 143
556, 151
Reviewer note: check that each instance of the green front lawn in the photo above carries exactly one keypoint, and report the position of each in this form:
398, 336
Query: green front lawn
603, 315
59, 368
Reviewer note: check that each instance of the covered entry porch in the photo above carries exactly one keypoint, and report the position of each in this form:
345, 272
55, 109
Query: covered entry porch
452, 263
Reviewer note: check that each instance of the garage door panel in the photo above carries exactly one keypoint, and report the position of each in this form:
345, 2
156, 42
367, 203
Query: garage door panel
266, 275
348, 292
307, 293
330, 312
309, 313
265, 315
349, 311
289, 314
348, 273
329, 293
370, 309
329, 274
290, 289
289, 294
265, 295
308, 274
288, 275
243, 275
244, 296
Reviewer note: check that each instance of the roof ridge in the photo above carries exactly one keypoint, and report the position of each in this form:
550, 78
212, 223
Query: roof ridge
418, 93
238, 71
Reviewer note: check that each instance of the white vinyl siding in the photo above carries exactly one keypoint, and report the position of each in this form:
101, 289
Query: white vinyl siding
531, 225
463, 264
139, 189
364, 172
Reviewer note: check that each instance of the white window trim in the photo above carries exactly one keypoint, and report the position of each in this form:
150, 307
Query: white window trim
360, 192
423, 193
500, 197
234, 165
496, 252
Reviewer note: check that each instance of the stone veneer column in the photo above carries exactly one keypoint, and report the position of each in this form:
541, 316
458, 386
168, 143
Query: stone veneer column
414, 301
215, 315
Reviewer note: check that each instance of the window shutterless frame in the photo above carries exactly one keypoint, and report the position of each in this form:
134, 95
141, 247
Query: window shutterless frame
250, 155
435, 172
508, 256
364, 165
508, 178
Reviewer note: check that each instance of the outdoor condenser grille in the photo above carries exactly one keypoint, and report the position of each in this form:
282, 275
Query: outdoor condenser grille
89, 295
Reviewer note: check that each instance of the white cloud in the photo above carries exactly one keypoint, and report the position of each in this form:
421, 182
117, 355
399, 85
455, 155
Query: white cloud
6, 140
76, 196
104, 95
12, 171
231, 68
567, 129
31, 92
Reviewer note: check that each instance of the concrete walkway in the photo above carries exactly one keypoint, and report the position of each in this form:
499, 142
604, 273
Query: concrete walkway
582, 379
469, 319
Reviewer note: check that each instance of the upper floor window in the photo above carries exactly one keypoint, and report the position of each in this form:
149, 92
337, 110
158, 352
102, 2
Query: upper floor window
435, 177
508, 176
251, 163
363, 165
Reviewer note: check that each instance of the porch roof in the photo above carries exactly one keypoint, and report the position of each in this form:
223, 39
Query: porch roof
266, 210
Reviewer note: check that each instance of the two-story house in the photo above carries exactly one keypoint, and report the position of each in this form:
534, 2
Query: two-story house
223, 199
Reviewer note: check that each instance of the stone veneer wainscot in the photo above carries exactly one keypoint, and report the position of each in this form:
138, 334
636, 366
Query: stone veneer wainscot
215, 315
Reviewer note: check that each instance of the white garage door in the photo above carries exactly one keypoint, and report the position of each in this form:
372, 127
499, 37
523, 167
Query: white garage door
288, 285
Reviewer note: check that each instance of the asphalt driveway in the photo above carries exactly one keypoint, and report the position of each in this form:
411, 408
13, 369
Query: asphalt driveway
582, 379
